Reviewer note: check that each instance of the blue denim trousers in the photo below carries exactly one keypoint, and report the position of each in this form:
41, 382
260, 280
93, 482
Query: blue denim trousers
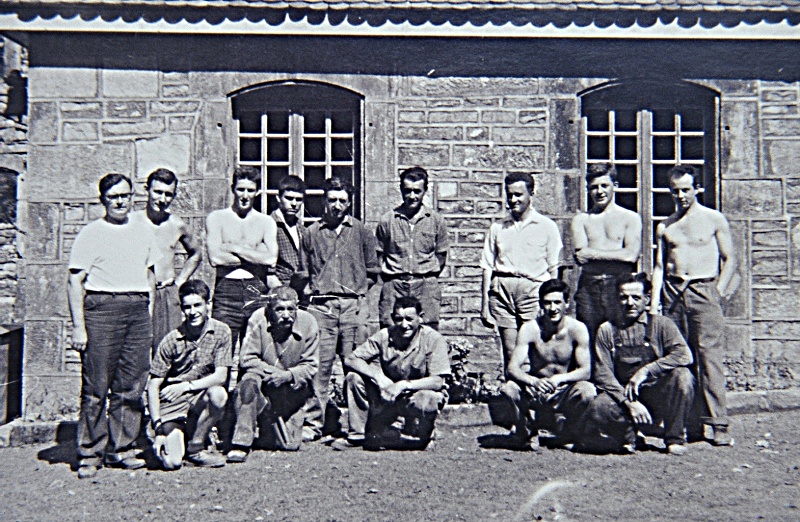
116, 362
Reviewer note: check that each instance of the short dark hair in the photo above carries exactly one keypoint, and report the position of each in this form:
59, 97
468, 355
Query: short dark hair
165, 176
194, 287
407, 302
598, 170
246, 172
337, 183
679, 171
291, 183
524, 177
281, 293
111, 179
554, 285
640, 278
413, 175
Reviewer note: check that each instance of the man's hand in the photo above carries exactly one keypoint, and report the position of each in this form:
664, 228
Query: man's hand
392, 391
636, 380
486, 318
173, 391
581, 258
163, 284
639, 413
79, 338
273, 281
158, 444
278, 378
543, 386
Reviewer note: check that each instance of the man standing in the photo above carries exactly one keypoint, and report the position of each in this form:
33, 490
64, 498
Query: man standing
695, 268
279, 360
288, 217
608, 241
162, 186
549, 371
400, 370
339, 262
242, 246
187, 378
111, 290
412, 244
520, 253
640, 366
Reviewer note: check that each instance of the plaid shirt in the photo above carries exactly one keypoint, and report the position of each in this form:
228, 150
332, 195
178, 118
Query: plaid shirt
180, 359
288, 250
410, 246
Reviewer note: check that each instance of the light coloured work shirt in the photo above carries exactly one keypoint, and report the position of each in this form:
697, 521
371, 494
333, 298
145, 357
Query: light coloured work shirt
410, 246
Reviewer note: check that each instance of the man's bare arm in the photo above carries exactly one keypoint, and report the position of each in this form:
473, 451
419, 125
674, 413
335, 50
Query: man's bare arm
629, 253
486, 315
370, 371
153, 397
75, 295
658, 270
727, 256
219, 253
190, 244
528, 333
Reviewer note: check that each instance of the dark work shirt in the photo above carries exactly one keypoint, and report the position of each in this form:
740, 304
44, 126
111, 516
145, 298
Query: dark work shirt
620, 352
339, 264
410, 246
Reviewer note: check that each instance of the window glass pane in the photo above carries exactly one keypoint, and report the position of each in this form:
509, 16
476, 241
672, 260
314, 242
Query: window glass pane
625, 148
692, 148
342, 122
597, 147
661, 176
275, 175
277, 149
663, 148
314, 149
278, 122
343, 171
314, 177
663, 205
314, 206
692, 121
625, 120
342, 149
250, 149
597, 120
626, 175
314, 122
626, 201
250, 122
663, 120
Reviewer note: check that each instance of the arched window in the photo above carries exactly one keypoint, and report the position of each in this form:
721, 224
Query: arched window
644, 128
312, 130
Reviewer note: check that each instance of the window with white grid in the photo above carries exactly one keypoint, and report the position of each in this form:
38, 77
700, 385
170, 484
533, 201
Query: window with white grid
312, 131
644, 132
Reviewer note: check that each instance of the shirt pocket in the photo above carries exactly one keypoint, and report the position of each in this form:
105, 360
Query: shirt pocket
425, 241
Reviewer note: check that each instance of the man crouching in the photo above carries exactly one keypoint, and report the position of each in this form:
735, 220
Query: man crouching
400, 370
187, 378
549, 372
279, 358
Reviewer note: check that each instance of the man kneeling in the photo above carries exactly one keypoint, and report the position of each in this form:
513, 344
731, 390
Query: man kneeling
279, 358
641, 369
400, 370
549, 372
188, 373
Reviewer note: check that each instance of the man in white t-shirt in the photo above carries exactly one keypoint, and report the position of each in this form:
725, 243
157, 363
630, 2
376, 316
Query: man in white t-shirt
111, 289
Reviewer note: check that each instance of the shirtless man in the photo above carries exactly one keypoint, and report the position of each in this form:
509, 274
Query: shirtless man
554, 387
608, 241
696, 267
242, 246
162, 186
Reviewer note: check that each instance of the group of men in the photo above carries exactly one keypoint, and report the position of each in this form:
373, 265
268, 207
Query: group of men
637, 353
289, 297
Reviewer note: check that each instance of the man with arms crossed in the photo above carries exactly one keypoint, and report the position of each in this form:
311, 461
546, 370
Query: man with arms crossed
280, 356
338, 259
640, 370
695, 268
520, 253
187, 376
549, 371
400, 370
162, 186
608, 241
289, 219
243, 249
111, 291
412, 244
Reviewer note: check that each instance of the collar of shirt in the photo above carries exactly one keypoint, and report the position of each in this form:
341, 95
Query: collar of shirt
348, 222
295, 332
184, 335
280, 219
533, 218
421, 214
415, 342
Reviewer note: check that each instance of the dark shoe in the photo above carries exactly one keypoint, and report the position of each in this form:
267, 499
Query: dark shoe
237, 455
722, 437
206, 459
125, 460
347, 444
87, 471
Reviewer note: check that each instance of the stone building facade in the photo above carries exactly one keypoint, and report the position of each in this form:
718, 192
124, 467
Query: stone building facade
469, 111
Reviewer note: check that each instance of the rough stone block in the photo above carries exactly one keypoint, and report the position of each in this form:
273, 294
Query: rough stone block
43, 347
775, 303
779, 95
500, 157
777, 329
518, 134
776, 238
130, 84
452, 325
176, 91
174, 107
465, 255
48, 83
449, 305
81, 110
780, 127
41, 240
730, 88
126, 110
768, 111
795, 247
44, 287
473, 86
207, 85
498, 116
781, 158
52, 397
212, 154
446, 174
72, 171
215, 195
430, 133
537, 117
424, 155
551, 194
477, 133
468, 272
471, 101
453, 117
43, 120
524, 102
181, 123
149, 127
752, 198
172, 151
739, 154
564, 125
472, 237
471, 305
79, 131
480, 190
411, 117
456, 207
446, 102
172, 77
770, 262
76, 212
489, 207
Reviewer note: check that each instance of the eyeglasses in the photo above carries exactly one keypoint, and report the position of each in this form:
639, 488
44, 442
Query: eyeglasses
119, 197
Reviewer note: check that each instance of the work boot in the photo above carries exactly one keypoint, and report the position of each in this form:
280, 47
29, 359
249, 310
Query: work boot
206, 459
124, 459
